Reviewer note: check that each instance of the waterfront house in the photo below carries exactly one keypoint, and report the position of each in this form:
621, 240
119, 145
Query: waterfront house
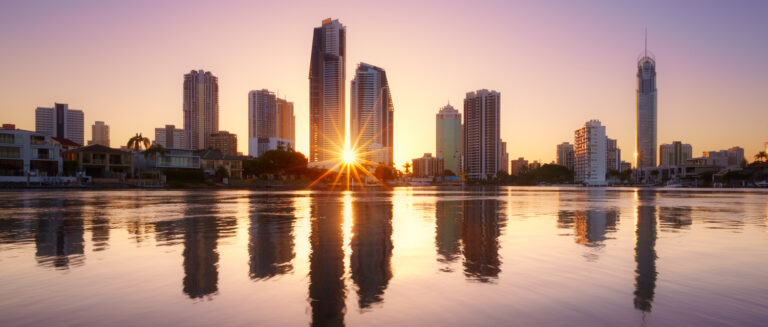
99, 161
26, 154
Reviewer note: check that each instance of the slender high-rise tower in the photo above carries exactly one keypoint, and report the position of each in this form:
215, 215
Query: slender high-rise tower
448, 138
481, 143
371, 115
645, 129
61, 121
326, 91
201, 109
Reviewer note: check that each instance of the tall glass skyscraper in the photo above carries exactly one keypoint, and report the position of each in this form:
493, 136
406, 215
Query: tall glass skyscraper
448, 138
646, 121
201, 109
326, 91
371, 115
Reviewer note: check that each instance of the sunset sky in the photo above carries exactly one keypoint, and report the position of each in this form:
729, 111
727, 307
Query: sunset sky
557, 64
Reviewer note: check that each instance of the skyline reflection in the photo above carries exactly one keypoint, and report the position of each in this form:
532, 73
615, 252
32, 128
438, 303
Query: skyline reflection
645, 251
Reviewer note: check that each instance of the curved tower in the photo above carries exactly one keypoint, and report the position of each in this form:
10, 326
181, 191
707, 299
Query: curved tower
326, 91
645, 128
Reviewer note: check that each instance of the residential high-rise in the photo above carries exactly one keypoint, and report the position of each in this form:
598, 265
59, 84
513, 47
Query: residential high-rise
482, 110
61, 122
612, 155
518, 166
99, 134
674, 154
503, 157
646, 118
589, 154
371, 115
225, 142
565, 155
170, 137
327, 76
448, 138
286, 120
428, 166
269, 117
201, 109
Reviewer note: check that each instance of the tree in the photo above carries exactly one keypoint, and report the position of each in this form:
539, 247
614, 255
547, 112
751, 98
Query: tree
385, 173
407, 167
222, 172
761, 156
448, 172
154, 150
136, 142
276, 162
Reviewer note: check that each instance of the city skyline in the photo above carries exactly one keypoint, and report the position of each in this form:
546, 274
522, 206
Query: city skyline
545, 62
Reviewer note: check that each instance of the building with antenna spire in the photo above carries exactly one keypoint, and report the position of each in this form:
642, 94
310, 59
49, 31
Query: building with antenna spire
646, 112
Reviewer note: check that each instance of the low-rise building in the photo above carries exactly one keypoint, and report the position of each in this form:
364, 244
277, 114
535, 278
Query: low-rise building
99, 161
264, 144
211, 160
427, 166
518, 166
674, 154
26, 153
225, 142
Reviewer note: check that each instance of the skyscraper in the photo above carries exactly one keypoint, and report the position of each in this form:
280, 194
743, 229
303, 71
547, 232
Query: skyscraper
674, 154
645, 145
589, 154
61, 122
565, 155
170, 137
448, 138
482, 110
327, 76
269, 117
503, 157
612, 155
99, 134
371, 118
201, 108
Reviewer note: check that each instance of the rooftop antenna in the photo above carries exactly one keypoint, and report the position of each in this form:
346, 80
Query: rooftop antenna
646, 41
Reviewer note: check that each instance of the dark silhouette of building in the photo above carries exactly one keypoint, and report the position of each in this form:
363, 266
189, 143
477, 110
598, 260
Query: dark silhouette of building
371, 250
327, 291
271, 243
645, 252
59, 234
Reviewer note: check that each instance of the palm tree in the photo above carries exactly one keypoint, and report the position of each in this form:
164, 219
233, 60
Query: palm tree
154, 150
761, 156
136, 142
407, 167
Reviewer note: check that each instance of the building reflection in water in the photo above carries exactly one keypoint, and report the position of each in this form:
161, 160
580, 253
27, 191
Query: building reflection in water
448, 232
271, 239
59, 235
371, 244
480, 229
674, 218
645, 250
327, 291
591, 226
100, 233
202, 229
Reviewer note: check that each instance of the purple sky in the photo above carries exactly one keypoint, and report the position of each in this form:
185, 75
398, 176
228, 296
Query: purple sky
556, 63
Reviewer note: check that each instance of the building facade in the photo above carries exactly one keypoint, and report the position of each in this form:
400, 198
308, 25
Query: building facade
518, 166
225, 142
24, 153
503, 158
201, 109
428, 166
448, 138
589, 154
170, 137
565, 155
62, 122
646, 113
612, 155
372, 115
286, 120
269, 117
264, 144
674, 154
327, 95
481, 148
99, 134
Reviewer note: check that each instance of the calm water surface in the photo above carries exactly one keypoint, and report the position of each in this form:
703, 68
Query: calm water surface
410, 256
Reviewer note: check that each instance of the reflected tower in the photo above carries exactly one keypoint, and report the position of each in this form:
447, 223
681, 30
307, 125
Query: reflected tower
371, 250
645, 252
448, 231
327, 290
479, 234
59, 236
271, 243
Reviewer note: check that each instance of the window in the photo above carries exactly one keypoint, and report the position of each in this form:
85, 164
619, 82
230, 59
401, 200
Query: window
10, 152
6, 138
36, 139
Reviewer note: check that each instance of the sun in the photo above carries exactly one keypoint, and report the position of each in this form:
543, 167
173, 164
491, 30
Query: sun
349, 157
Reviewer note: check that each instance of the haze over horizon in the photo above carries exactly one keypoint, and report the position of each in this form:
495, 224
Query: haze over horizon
557, 65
